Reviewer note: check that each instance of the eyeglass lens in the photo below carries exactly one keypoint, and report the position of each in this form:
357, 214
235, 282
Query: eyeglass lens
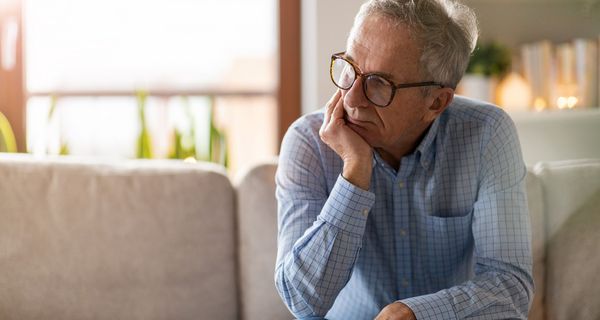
377, 89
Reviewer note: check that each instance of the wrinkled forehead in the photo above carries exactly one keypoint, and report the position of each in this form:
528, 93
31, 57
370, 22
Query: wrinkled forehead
390, 35
382, 43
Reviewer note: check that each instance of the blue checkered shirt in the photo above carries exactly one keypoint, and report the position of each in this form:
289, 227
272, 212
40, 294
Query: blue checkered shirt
448, 234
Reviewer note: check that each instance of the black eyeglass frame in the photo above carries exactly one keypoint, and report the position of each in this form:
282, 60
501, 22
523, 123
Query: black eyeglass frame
359, 73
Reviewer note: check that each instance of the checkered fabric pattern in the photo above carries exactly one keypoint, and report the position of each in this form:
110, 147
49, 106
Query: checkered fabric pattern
448, 234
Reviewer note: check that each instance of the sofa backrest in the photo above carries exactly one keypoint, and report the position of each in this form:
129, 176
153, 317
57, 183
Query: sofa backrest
132, 240
257, 234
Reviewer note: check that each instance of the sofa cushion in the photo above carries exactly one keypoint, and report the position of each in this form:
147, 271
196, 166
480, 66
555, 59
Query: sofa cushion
133, 240
257, 229
572, 208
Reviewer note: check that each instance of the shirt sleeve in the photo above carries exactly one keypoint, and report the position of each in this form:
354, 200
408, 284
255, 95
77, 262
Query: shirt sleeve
319, 232
503, 284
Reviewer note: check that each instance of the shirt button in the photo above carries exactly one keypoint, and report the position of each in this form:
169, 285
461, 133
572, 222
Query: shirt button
404, 282
365, 212
402, 232
401, 184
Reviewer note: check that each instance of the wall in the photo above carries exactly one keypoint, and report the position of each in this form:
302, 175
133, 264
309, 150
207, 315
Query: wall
514, 22
325, 27
326, 23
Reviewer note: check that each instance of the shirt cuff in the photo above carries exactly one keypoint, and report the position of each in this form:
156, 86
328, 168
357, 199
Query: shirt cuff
348, 207
431, 306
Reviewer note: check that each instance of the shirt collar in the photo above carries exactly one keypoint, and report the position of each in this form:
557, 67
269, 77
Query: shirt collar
427, 146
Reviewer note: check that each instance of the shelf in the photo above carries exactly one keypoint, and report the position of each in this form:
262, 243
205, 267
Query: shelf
549, 115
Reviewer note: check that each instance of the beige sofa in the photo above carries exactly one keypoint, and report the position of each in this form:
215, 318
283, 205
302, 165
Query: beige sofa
83, 239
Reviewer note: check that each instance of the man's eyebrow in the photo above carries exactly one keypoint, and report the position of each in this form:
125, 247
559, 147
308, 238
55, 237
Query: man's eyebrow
387, 76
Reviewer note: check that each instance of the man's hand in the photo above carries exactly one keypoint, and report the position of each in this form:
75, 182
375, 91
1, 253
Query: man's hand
355, 151
396, 311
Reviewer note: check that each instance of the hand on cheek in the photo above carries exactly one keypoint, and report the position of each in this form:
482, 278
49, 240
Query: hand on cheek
354, 150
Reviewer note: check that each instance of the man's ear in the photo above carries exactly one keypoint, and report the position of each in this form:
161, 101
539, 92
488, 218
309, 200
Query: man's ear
441, 99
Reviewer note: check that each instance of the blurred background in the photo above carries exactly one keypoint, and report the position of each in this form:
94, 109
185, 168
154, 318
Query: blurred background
221, 81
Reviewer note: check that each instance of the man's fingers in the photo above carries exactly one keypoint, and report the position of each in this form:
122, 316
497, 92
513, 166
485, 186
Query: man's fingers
331, 105
338, 111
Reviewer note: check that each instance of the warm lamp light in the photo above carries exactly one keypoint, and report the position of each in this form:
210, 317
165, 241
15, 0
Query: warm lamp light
567, 93
539, 104
566, 102
514, 93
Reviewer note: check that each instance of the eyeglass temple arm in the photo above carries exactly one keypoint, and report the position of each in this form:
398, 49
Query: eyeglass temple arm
420, 84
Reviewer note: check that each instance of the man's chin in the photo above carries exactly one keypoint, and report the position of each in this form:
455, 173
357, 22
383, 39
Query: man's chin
363, 133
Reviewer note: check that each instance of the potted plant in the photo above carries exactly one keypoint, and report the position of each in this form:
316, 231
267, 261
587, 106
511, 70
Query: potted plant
489, 62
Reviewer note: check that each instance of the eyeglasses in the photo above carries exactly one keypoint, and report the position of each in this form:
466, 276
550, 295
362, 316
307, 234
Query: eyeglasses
378, 90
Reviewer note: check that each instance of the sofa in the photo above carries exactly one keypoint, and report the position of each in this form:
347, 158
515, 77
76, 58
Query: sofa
93, 239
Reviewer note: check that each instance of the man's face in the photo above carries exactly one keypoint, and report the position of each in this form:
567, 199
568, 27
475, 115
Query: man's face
382, 47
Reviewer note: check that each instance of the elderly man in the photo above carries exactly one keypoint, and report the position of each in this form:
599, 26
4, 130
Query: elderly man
400, 200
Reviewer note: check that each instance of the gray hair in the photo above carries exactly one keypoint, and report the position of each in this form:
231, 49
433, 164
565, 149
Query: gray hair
445, 29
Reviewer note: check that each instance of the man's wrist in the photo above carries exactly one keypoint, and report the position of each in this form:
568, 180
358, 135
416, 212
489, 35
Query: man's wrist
406, 311
358, 173
398, 311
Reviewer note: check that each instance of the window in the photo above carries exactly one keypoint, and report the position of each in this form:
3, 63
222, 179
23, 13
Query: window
89, 58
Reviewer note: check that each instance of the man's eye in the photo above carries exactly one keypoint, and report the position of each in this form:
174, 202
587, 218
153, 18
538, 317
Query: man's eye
378, 82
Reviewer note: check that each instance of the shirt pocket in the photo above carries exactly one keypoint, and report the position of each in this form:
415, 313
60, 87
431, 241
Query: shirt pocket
445, 247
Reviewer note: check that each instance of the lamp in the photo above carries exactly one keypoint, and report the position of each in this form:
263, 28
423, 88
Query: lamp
514, 93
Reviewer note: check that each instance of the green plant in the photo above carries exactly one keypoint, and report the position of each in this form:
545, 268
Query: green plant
490, 59
7, 136
184, 144
144, 146
217, 150
64, 146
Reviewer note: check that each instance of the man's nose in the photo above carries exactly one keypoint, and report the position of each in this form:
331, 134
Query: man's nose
355, 96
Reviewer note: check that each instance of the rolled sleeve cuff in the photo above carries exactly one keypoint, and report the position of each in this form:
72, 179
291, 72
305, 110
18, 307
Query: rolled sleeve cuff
348, 206
431, 306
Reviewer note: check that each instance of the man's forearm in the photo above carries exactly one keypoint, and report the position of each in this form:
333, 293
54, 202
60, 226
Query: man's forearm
492, 295
307, 281
318, 265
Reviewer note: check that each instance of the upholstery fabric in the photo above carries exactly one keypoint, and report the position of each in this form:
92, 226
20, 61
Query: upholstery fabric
133, 240
257, 229
574, 291
536, 213
572, 207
